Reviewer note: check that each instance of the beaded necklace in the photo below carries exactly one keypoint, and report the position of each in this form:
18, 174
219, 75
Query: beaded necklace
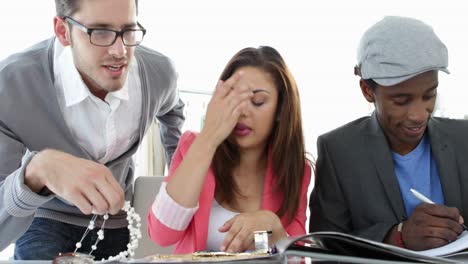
134, 224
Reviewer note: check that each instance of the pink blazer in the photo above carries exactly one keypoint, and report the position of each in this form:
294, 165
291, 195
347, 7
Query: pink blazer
195, 236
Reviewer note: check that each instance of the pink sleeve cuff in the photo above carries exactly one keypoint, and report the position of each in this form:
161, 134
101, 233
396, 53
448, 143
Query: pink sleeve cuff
169, 212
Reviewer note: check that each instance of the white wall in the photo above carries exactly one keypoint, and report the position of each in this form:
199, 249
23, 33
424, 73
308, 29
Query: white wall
318, 40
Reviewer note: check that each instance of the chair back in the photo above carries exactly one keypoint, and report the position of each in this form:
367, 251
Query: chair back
146, 188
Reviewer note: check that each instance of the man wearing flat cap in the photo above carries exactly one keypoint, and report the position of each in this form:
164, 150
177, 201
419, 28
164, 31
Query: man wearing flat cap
366, 168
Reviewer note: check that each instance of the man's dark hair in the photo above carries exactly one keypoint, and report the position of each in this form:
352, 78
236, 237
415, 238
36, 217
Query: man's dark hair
69, 7
372, 84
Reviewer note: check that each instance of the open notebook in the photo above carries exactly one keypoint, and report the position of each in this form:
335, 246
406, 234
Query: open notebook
332, 246
339, 244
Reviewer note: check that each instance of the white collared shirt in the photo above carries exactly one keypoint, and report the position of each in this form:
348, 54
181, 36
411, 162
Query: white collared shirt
104, 129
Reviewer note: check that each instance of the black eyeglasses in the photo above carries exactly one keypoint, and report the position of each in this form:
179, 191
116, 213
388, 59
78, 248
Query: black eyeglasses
106, 37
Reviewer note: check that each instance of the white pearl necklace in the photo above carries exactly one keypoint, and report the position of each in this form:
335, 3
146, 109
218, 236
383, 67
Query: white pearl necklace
135, 233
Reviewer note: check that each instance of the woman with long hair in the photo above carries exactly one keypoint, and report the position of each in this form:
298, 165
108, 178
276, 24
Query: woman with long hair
245, 171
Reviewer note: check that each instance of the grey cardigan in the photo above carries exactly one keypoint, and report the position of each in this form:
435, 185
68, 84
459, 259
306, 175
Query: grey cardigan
31, 120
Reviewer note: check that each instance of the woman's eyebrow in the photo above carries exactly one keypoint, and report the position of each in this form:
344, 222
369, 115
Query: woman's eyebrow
260, 90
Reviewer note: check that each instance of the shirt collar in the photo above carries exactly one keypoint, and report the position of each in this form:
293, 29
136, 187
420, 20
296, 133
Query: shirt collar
420, 148
121, 94
74, 89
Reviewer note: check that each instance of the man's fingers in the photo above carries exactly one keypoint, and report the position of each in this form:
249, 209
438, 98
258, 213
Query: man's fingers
113, 193
114, 197
445, 234
451, 225
441, 211
113, 182
435, 242
87, 184
440, 216
98, 201
83, 204
432, 226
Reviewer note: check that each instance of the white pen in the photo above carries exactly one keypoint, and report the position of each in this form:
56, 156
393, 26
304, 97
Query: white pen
424, 199
421, 196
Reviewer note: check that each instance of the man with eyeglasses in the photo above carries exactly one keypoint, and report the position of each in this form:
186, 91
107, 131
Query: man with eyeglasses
73, 111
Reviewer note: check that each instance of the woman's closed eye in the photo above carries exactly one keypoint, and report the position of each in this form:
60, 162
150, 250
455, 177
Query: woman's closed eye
259, 97
257, 101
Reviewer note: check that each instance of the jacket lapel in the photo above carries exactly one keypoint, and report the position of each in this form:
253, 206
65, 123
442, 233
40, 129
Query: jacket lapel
446, 161
383, 162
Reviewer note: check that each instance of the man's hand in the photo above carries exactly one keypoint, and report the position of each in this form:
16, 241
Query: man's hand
240, 230
431, 226
88, 185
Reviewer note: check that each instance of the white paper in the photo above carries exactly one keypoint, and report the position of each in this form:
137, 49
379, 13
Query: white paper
458, 245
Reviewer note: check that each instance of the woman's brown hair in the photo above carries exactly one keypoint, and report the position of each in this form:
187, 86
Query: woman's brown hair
286, 142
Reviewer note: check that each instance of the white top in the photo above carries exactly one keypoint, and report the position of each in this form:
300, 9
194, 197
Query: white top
218, 216
177, 217
104, 129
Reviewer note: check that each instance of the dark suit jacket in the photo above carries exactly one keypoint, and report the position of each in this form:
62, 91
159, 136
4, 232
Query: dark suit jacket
356, 190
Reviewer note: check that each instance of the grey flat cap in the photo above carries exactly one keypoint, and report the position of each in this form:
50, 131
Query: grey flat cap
396, 49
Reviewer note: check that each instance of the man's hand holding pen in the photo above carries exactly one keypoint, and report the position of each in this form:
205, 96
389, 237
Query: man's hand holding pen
431, 226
